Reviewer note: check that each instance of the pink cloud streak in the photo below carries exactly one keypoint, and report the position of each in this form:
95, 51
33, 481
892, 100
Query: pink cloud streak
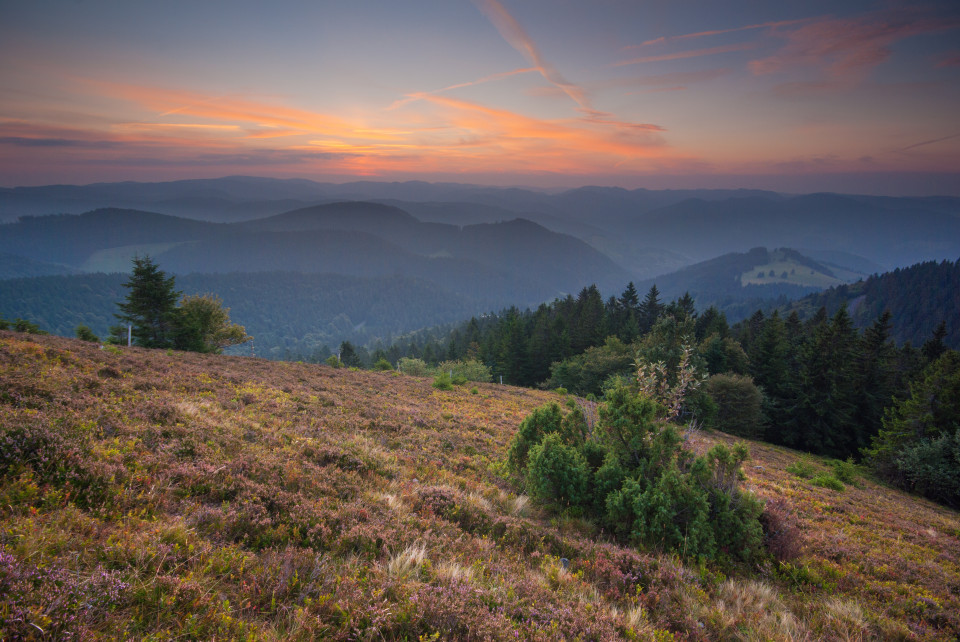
848, 48
681, 55
717, 32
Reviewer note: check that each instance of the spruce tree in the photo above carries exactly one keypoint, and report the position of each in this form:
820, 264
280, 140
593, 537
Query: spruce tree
349, 356
827, 400
151, 305
769, 364
876, 376
650, 309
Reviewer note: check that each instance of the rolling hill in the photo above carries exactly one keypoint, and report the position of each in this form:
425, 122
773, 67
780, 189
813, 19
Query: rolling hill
649, 232
918, 297
146, 494
496, 264
738, 283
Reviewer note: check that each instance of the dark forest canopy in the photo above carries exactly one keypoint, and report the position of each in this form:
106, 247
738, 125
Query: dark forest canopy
919, 298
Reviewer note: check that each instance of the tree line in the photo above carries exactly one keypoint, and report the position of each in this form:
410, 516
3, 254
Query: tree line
819, 385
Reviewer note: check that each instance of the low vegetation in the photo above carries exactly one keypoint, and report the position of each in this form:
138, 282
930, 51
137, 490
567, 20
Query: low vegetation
159, 494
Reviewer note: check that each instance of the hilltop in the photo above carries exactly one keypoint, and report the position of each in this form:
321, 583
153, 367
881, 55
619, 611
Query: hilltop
161, 494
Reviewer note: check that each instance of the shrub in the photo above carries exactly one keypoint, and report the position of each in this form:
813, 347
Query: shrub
442, 381
919, 446
738, 403
22, 325
544, 420
334, 361
802, 468
382, 365
845, 471
465, 371
931, 468
84, 333
828, 481
413, 367
557, 472
633, 474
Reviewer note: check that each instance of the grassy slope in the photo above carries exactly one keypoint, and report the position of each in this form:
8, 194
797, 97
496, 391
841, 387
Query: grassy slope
152, 495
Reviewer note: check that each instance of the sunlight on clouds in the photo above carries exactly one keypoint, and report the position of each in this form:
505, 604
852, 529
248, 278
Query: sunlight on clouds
426, 135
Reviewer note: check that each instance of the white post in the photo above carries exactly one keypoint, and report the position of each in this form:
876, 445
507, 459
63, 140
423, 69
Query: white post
129, 335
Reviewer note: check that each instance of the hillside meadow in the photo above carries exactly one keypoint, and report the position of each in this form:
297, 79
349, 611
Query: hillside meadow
164, 495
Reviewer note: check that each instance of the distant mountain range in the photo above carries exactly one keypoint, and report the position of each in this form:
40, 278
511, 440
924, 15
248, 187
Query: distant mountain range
494, 264
469, 249
647, 232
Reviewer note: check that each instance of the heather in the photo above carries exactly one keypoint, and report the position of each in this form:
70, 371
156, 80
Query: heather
148, 494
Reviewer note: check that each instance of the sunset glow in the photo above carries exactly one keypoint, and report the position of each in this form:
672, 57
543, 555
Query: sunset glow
861, 96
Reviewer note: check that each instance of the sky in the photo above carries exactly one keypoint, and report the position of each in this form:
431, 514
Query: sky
846, 96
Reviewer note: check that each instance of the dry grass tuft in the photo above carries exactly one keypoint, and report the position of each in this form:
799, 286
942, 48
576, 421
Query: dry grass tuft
453, 572
408, 561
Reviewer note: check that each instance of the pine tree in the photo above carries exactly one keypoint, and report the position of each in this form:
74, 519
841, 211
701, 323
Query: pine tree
630, 300
650, 309
589, 327
827, 401
876, 378
349, 356
151, 305
934, 346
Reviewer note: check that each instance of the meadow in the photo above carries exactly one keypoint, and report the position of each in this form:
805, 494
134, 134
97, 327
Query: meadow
157, 495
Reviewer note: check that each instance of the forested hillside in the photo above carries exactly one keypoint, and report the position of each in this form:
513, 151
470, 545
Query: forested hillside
739, 283
290, 315
819, 385
921, 297
491, 265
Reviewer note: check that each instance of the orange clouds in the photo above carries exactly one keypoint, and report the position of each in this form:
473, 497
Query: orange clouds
426, 133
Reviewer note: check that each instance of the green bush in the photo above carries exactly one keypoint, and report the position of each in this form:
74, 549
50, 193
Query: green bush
334, 361
442, 381
802, 468
918, 447
22, 325
632, 475
464, 371
931, 468
543, 421
828, 481
84, 333
382, 365
845, 471
738, 405
557, 473
413, 367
